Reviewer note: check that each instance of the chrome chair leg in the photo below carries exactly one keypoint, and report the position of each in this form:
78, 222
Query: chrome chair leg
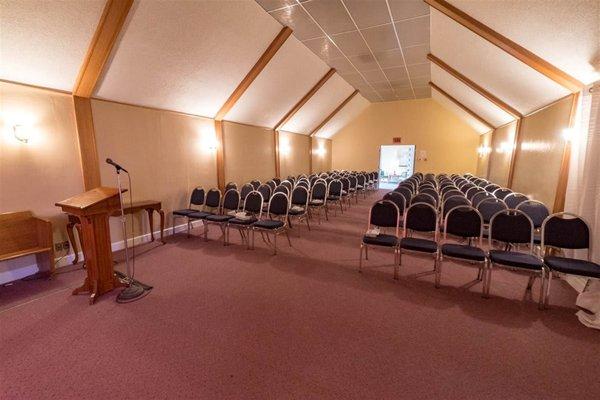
288, 238
547, 294
396, 264
360, 258
542, 289
366, 252
438, 272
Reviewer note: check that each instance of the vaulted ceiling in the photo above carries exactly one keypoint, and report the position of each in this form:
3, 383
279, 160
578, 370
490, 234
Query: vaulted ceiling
189, 56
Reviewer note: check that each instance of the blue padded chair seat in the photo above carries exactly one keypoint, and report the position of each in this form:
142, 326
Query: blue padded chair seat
381, 240
219, 218
463, 251
268, 224
237, 221
199, 214
515, 259
184, 212
416, 244
296, 212
573, 266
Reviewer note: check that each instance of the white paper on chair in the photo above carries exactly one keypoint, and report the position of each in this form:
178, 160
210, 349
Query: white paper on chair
372, 232
297, 208
242, 215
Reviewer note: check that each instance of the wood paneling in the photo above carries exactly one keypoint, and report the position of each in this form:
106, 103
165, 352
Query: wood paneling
483, 92
514, 154
563, 177
254, 72
87, 142
326, 120
512, 48
112, 20
462, 106
277, 155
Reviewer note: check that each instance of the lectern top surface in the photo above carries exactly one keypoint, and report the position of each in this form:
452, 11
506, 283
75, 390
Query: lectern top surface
89, 198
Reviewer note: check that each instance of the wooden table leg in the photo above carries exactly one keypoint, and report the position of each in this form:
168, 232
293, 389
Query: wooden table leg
162, 225
150, 212
70, 227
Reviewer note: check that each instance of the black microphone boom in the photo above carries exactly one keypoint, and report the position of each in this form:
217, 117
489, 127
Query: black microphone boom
114, 164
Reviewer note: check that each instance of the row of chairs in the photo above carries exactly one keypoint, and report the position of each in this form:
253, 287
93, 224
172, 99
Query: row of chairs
510, 234
265, 208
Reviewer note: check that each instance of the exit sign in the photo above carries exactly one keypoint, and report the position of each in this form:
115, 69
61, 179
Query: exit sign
397, 140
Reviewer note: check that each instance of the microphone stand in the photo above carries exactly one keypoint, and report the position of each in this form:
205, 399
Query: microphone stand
133, 290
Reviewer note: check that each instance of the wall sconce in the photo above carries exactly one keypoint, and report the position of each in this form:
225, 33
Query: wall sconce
22, 133
284, 147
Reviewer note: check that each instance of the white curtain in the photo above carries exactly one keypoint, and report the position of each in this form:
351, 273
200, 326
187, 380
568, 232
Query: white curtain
583, 194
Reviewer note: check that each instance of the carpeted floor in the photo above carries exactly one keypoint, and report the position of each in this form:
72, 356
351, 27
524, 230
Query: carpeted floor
227, 323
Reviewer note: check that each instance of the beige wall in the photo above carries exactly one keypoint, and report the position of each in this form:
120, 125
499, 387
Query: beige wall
249, 153
294, 154
36, 175
502, 145
322, 154
539, 156
483, 160
450, 143
166, 153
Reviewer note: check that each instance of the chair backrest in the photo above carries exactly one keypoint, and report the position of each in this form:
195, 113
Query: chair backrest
300, 196
272, 184
464, 221
319, 191
279, 206
471, 192
197, 198
424, 198
489, 207
501, 193
432, 192
421, 217
213, 198
512, 200
398, 199
231, 200
255, 184
353, 181
511, 226
276, 180
536, 210
566, 231
282, 189
335, 188
265, 191
385, 214
452, 202
492, 187
247, 188
253, 203
479, 197
287, 184
361, 180
230, 185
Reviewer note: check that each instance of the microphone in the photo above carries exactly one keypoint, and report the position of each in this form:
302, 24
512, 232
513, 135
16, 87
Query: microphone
114, 164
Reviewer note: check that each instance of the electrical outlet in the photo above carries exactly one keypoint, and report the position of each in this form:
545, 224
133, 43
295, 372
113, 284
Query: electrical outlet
58, 246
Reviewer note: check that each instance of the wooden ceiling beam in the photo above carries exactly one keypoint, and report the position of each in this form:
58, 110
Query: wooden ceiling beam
305, 99
338, 108
254, 72
461, 105
483, 92
112, 20
519, 52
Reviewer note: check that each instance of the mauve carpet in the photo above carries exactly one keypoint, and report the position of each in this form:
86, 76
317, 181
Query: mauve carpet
228, 323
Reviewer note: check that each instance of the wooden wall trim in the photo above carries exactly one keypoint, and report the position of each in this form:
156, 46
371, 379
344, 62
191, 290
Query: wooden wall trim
277, 155
220, 158
542, 108
483, 92
305, 99
88, 153
254, 72
514, 153
461, 105
333, 113
112, 20
310, 155
563, 177
519, 52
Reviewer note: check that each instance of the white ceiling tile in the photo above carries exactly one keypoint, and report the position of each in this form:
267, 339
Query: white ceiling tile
331, 15
44, 43
413, 32
381, 38
290, 74
403, 9
368, 13
323, 48
167, 59
299, 20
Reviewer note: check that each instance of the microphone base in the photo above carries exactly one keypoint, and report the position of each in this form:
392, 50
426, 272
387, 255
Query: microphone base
132, 292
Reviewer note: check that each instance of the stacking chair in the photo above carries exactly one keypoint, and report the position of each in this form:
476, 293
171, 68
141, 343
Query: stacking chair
361, 182
276, 222
514, 228
421, 218
501, 193
211, 207
272, 185
514, 199
231, 204
299, 206
450, 203
567, 231
287, 184
230, 185
277, 181
489, 207
538, 212
383, 214
352, 189
318, 198
197, 200
334, 195
479, 197
265, 191
466, 223
424, 198
252, 211
433, 193
491, 188
247, 188
345, 191
255, 184
282, 189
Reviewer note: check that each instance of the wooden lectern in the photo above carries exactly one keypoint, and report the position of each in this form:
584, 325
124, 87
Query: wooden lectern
93, 209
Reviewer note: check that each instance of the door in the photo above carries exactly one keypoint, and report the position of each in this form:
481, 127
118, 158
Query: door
396, 163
